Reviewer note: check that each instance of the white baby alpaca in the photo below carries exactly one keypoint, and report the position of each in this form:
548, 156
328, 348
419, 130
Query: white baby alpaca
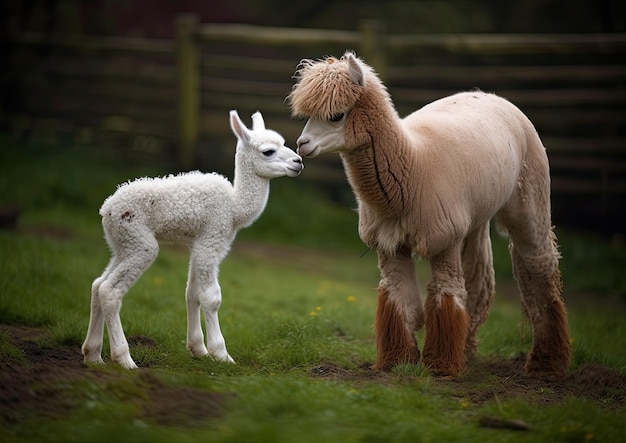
204, 211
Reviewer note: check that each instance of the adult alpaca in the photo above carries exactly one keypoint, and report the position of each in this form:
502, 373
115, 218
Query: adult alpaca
428, 185
202, 211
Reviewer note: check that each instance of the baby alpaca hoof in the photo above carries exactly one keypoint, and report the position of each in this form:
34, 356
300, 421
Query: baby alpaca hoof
97, 360
223, 358
91, 357
198, 352
125, 361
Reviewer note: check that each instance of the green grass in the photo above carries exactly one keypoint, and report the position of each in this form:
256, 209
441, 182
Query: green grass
297, 296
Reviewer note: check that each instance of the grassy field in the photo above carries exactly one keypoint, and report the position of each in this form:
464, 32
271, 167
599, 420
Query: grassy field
298, 304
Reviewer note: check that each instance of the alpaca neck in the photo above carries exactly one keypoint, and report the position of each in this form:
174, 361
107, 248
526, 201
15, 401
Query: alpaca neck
379, 168
251, 193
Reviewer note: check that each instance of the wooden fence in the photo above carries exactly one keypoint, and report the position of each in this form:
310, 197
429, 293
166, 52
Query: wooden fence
162, 95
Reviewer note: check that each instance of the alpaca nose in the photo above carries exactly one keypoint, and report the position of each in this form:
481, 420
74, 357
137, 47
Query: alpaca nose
301, 141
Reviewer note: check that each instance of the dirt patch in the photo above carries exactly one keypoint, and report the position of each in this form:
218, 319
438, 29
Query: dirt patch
176, 406
505, 378
486, 379
47, 383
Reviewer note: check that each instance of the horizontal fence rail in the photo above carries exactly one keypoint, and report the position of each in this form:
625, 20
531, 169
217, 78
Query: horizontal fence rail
161, 95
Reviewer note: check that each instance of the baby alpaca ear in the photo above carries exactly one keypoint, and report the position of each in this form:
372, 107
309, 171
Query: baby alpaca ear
239, 128
355, 70
257, 122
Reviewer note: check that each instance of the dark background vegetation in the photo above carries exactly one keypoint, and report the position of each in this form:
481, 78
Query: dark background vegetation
148, 18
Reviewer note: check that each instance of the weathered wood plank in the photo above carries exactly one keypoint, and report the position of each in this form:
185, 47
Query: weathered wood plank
96, 43
601, 75
491, 44
264, 35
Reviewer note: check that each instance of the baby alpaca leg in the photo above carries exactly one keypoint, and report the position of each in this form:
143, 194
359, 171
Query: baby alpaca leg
195, 336
479, 282
447, 321
203, 291
92, 346
130, 266
399, 312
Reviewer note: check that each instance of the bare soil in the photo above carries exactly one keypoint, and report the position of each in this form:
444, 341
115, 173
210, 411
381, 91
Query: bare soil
45, 385
492, 378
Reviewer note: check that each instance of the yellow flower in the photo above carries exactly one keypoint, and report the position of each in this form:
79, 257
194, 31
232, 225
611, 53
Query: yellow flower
318, 308
313, 313
351, 298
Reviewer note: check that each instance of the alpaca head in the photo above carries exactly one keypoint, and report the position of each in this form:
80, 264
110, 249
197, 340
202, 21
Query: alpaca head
335, 95
263, 150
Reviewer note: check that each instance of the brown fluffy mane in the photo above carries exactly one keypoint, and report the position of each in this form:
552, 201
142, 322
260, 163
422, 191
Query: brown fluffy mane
324, 87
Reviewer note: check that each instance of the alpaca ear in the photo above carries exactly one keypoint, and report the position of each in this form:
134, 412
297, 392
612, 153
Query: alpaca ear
355, 70
239, 128
257, 122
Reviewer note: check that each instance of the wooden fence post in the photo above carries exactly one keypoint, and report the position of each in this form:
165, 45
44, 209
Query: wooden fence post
373, 46
188, 88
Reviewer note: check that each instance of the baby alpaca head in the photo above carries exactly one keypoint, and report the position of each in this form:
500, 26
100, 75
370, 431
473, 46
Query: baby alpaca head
264, 150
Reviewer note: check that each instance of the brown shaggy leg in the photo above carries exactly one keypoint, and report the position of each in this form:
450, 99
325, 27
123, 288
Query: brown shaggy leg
399, 312
446, 331
479, 282
542, 303
535, 257
550, 354
394, 342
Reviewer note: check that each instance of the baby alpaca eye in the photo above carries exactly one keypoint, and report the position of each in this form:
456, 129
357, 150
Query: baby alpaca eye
336, 117
269, 152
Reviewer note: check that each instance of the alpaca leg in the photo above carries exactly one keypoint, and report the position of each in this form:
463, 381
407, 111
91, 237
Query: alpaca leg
539, 279
129, 267
203, 291
535, 257
399, 312
92, 346
447, 321
480, 284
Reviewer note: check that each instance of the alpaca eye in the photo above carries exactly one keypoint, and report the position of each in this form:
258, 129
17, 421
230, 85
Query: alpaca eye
269, 152
336, 117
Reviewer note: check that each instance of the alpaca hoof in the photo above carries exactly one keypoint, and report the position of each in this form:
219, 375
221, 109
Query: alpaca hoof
542, 373
543, 366
444, 373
